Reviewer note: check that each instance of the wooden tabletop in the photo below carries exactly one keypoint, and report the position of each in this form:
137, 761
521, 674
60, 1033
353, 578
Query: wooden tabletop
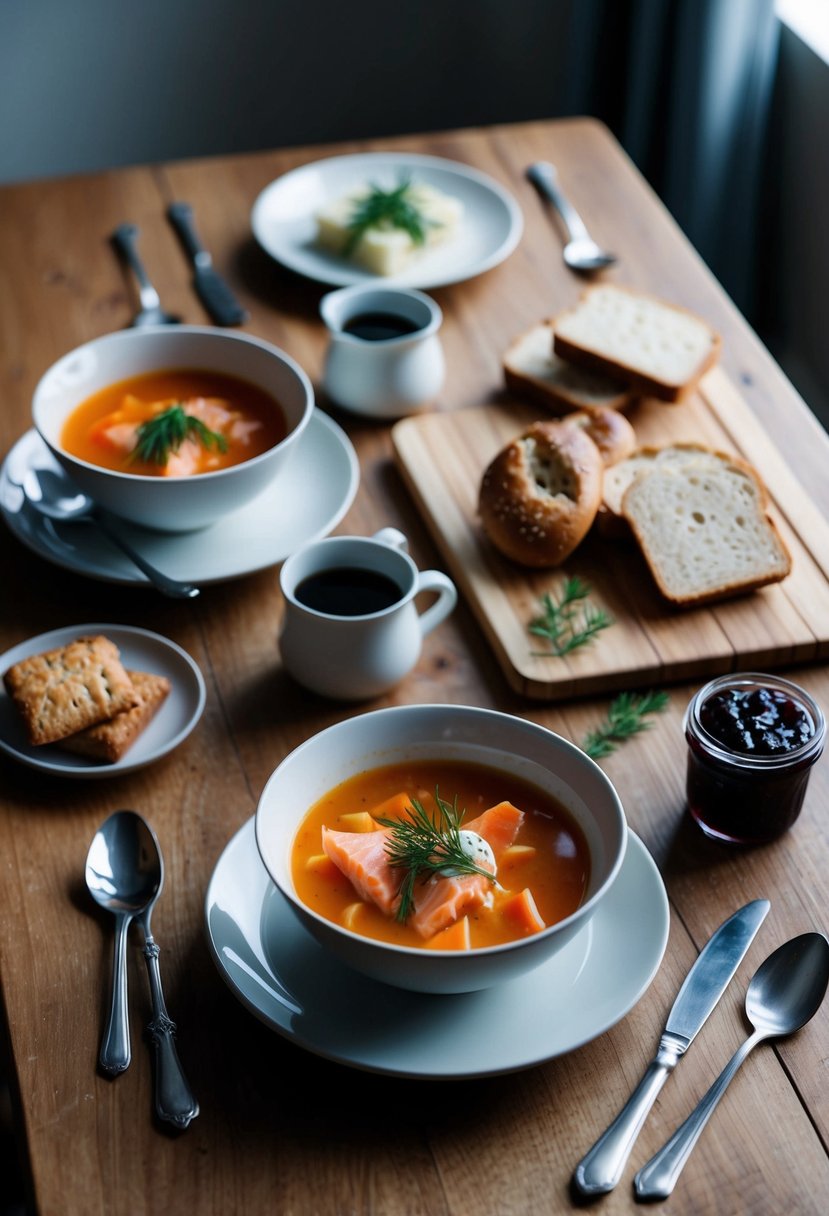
282, 1130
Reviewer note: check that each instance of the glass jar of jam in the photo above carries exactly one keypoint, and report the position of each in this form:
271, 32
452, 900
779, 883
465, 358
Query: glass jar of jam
752, 740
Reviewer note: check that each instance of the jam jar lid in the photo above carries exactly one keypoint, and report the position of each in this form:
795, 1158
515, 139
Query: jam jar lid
751, 681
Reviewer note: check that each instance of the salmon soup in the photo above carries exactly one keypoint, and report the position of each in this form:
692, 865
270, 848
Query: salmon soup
526, 864
174, 423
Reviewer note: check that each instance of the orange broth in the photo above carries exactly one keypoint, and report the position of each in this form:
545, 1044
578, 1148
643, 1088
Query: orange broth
556, 873
101, 430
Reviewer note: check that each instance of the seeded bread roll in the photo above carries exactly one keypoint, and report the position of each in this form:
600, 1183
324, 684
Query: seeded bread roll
535, 372
540, 494
704, 532
660, 349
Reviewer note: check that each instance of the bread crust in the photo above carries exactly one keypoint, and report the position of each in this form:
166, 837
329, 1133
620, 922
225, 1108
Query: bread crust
69, 688
540, 494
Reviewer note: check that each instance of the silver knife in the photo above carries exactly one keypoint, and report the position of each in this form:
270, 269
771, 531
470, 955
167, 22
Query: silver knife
601, 1168
212, 290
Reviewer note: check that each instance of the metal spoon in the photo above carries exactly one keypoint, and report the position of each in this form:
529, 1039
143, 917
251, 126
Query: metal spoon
125, 874
581, 252
55, 496
116, 882
784, 994
174, 1100
125, 240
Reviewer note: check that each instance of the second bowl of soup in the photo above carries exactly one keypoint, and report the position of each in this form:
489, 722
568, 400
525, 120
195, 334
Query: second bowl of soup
173, 427
441, 848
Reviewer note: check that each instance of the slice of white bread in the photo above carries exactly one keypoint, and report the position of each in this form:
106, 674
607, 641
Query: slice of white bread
533, 371
703, 530
659, 349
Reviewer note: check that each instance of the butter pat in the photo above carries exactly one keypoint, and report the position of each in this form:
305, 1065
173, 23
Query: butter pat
384, 249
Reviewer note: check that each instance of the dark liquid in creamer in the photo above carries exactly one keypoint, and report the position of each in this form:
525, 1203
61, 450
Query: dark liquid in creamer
348, 591
379, 326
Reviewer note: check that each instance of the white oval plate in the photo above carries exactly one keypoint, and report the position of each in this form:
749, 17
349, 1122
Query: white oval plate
283, 218
312, 495
293, 985
140, 651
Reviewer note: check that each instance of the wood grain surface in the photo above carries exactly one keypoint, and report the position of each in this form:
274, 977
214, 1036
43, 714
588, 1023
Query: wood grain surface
442, 458
281, 1130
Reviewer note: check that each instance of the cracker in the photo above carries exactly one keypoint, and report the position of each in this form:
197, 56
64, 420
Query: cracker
70, 688
111, 740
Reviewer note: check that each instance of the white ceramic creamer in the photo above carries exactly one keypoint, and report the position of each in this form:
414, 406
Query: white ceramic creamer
386, 377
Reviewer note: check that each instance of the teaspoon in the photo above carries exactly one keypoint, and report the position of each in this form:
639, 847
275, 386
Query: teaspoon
785, 993
54, 496
125, 873
581, 252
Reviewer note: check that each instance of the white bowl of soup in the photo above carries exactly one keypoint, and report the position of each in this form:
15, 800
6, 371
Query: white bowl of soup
173, 427
523, 837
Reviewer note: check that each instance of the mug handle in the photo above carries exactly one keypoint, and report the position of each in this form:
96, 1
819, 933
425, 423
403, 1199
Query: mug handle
434, 580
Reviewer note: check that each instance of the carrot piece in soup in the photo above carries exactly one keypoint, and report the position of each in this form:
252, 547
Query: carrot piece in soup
456, 937
399, 806
520, 911
362, 858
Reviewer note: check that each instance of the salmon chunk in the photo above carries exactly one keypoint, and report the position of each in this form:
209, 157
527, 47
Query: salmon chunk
361, 856
439, 902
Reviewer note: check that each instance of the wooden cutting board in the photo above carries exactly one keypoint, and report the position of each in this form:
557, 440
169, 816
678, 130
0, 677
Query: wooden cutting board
442, 458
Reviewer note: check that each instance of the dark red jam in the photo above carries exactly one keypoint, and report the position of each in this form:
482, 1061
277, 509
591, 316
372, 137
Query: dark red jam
756, 721
752, 740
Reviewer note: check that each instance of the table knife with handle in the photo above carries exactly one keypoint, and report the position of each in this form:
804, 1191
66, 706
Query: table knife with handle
601, 1168
212, 290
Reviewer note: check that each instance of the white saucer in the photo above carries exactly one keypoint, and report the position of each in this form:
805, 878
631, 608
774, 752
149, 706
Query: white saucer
309, 498
140, 651
283, 218
289, 981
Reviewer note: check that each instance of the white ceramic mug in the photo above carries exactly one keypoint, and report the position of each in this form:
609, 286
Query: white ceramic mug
388, 378
353, 657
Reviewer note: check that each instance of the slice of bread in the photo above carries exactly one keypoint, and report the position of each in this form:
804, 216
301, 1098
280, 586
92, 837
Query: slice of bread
659, 349
533, 371
111, 740
703, 530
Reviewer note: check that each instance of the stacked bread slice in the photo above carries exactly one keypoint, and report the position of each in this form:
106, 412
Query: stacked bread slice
613, 346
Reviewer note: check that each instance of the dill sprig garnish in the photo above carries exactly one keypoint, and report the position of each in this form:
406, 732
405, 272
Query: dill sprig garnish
389, 208
426, 847
159, 436
625, 717
569, 622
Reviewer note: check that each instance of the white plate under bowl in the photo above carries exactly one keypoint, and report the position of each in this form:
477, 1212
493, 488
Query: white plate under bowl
283, 218
140, 651
293, 985
312, 495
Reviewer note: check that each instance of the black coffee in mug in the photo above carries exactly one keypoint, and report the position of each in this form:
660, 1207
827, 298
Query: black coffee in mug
380, 326
347, 591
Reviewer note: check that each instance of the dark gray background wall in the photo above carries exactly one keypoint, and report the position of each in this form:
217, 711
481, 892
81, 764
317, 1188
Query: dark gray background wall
88, 84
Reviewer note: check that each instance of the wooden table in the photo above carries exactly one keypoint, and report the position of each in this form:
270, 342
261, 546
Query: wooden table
281, 1130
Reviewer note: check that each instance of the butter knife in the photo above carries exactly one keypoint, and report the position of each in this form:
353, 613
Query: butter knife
211, 288
601, 1168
